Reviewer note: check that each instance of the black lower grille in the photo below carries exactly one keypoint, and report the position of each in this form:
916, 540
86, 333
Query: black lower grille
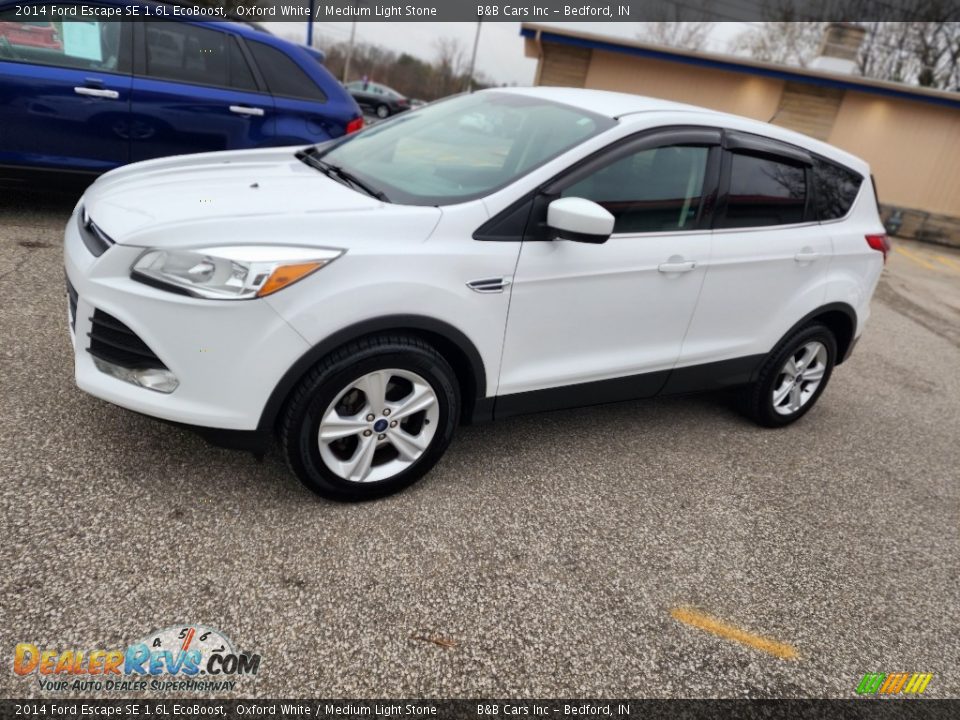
72, 298
114, 342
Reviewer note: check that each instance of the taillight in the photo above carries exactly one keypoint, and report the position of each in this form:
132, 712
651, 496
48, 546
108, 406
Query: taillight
880, 243
354, 125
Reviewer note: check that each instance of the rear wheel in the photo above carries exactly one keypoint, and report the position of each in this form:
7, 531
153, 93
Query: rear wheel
382, 111
792, 379
371, 419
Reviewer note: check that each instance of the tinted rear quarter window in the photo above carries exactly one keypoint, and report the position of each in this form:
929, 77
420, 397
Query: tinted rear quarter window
283, 76
764, 192
835, 189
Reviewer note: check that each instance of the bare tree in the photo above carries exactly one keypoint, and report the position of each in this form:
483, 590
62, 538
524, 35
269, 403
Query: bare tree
691, 35
922, 53
787, 42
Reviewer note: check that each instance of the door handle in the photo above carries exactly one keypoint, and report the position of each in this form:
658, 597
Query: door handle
676, 267
806, 256
244, 110
97, 92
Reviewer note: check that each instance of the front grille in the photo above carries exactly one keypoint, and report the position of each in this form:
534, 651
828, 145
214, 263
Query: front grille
72, 298
97, 241
114, 342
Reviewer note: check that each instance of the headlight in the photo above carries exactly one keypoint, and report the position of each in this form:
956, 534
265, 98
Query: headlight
230, 273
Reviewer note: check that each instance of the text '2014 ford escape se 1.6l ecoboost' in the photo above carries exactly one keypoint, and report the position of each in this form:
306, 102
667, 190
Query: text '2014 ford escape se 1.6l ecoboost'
493, 254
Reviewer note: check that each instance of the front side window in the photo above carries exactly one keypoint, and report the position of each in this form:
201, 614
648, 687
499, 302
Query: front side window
764, 192
77, 44
655, 190
835, 189
463, 148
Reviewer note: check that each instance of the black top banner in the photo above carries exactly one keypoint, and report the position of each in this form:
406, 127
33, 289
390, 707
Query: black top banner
473, 10
596, 709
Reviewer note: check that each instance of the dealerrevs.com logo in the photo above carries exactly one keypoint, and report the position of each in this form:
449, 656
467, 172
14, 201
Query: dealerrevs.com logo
180, 658
894, 683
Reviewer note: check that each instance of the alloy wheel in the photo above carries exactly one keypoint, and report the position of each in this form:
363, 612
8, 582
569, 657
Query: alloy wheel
378, 425
799, 378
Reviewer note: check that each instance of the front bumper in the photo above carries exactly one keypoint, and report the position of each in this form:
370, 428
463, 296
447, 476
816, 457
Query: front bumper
228, 356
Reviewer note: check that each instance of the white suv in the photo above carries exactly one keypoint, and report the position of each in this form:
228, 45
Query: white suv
499, 253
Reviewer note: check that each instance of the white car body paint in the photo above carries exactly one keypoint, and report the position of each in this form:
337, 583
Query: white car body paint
568, 313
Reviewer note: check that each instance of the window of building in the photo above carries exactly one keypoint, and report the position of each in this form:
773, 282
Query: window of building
764, 192
655, 190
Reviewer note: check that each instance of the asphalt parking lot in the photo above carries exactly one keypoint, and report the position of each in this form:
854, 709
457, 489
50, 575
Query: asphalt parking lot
561, 555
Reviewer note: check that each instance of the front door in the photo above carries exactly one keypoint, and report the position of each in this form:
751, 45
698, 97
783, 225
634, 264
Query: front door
590, 323
64, 92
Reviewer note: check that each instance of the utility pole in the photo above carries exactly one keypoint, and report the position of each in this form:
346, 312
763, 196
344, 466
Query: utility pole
313, 5
473, 58
346, 64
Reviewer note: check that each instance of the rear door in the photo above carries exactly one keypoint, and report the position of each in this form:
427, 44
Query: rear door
64, 91
770, 255
194, 91
302, 115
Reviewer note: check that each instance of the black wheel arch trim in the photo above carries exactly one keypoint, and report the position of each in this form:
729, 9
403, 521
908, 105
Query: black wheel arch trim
473, 401
844, 345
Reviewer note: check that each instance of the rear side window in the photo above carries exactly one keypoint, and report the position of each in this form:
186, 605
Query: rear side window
836, 188
283, 76
764, 192
191, 54
240, 75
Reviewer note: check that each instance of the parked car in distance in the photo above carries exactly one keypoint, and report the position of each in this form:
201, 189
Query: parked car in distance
379, 99
96, 95
362, 298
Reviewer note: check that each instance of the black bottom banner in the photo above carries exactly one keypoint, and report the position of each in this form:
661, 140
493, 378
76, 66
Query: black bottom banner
498, 709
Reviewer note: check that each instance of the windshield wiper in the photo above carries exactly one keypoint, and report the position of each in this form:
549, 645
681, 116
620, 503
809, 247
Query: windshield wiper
309, 156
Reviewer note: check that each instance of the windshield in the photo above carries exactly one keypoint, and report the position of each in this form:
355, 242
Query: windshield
463, 148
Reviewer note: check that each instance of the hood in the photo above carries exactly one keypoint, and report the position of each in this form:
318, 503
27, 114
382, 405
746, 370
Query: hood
176, 201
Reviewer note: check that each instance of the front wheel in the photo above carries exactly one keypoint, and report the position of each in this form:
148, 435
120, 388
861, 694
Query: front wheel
382, 111
792, 379
371, 419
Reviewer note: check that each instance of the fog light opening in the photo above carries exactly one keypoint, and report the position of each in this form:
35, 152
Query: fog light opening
157, 379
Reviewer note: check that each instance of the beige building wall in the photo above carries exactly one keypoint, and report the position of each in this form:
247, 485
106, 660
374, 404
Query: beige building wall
749, 95
912, 147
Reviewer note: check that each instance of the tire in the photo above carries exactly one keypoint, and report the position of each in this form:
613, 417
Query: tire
813, 351
334, 398
382, 111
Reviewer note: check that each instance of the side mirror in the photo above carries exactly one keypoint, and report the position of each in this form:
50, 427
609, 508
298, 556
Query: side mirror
579, 220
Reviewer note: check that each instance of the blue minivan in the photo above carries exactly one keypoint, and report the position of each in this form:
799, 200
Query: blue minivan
88, 96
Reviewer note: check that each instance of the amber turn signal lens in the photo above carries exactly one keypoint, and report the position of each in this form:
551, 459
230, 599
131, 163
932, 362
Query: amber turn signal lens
287, 275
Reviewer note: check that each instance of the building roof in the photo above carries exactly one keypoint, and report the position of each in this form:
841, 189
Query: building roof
730, 63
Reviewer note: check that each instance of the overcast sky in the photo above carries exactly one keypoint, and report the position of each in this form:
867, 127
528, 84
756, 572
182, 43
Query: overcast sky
500, 54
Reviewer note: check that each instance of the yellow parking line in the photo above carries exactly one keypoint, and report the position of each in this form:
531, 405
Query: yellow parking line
948, 262
729, 632
916, 258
